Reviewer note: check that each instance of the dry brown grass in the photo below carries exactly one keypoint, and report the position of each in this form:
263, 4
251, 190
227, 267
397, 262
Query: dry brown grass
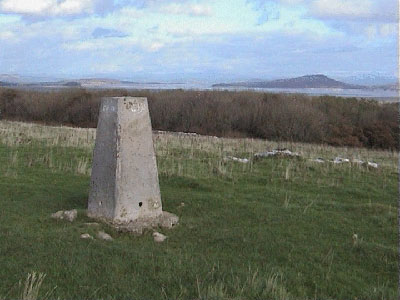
179, 154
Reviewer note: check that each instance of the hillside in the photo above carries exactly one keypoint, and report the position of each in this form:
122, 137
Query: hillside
308, 81
275, 228
8, 84
40, 84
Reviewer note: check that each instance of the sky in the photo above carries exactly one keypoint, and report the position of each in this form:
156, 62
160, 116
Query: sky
210, 40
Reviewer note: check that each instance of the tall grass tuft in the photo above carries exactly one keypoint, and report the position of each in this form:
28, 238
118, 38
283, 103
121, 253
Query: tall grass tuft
253, 287
32, 286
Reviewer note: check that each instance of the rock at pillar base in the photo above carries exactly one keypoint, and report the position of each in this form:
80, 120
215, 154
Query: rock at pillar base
165, 220
125, 190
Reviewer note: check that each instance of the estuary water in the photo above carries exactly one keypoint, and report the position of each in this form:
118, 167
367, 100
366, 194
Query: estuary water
379, 94
386, 95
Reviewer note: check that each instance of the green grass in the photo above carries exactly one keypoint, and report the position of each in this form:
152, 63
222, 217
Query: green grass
270, 229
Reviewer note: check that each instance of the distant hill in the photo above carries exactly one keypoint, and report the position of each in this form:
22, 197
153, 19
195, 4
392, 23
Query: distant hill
15, 81
41, 84
3, 83
308, 81
53, 84
21, 79
98, 81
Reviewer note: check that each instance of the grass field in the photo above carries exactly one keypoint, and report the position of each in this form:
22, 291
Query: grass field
277, 228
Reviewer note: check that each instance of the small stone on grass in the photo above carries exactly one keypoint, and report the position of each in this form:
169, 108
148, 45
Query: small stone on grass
168, 220
94, 224
159, 237
69, 215
58, 215
104, 236
86, 236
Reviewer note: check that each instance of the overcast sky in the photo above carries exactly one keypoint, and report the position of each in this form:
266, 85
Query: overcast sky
203, 39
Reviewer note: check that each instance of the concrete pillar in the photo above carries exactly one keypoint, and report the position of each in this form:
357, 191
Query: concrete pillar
124, 181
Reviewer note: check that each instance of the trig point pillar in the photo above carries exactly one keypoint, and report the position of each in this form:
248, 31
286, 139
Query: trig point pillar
124, 181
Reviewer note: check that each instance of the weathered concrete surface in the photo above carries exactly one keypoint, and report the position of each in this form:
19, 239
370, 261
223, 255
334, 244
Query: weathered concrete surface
103, 180
124, 182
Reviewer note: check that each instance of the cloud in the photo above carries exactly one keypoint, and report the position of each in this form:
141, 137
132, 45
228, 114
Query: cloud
109, 40
38, 10
246, 55
323, 37
7, 36
105, 68
340, 10
100, 32
187, 9
269, 10
355, 10
373, 19
154, 46
82, 46
52, 8
277, 54
374, 31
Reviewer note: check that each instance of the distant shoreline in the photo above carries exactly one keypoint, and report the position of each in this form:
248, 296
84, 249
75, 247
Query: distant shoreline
376, 94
